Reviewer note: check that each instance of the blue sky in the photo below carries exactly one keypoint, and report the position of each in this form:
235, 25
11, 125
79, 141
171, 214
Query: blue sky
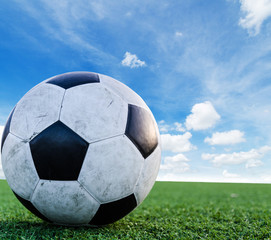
203, 67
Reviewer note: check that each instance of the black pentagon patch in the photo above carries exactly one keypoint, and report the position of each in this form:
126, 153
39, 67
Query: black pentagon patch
141, 130
58, 153
72, 79
31, 208
6, 129
113, 211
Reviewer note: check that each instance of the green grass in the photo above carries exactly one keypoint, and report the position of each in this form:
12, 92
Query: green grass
171, 211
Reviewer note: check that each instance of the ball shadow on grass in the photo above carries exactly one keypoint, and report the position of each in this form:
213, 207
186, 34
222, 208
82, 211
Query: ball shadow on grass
38, 229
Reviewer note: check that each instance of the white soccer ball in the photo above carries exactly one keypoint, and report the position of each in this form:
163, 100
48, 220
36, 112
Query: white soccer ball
81, 148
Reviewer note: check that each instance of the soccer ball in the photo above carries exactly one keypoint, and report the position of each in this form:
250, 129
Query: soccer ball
81, 148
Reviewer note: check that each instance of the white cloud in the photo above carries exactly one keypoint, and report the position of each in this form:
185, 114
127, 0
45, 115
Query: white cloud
179, 127
229, 175
178, 34
131, 60
225, 138
256, 12
177, 143
175, 163
173, 167
250, 158
177, 158
254, 163
203, 116
163, 127
1, 170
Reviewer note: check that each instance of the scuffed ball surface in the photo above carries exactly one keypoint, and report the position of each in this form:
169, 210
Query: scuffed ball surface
81, 148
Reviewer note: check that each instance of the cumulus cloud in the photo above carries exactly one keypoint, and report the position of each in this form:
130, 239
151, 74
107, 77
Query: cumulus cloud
229, 175
254, 163
257, 11
179, 127
163, 127
131, 60
203, 116
177, 143
173, 166
178, 34
225, 138
175, 163
250, 158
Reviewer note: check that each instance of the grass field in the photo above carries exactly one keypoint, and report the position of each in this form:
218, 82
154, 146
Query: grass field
171, 211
